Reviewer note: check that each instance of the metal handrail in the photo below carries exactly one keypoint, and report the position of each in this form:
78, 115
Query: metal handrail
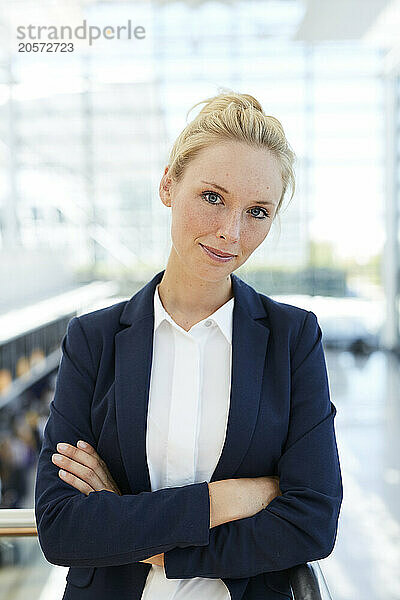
307, 581
16, 522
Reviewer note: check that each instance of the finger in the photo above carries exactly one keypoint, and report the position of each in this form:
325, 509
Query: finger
86, 447
84, 473
89, 458
77, 483
97, 464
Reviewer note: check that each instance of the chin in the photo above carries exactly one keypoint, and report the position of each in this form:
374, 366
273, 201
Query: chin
212, 275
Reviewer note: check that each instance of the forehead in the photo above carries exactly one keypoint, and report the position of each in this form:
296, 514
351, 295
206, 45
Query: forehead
238, 168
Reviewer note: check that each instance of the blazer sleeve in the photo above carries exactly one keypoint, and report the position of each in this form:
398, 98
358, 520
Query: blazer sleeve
301, 524
103, 528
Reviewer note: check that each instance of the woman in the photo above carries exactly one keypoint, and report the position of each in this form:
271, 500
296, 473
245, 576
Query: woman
204, 404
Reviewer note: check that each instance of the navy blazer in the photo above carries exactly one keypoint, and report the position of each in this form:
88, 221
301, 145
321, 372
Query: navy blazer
280, 422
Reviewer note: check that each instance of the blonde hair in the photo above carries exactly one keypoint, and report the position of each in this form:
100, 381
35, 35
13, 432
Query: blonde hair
233, 116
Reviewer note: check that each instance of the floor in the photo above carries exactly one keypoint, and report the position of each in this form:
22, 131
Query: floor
365, 563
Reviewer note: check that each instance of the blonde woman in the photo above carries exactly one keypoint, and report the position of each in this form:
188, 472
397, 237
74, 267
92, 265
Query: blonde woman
204, 404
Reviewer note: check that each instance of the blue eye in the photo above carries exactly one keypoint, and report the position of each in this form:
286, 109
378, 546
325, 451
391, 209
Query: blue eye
210, 194
263, 210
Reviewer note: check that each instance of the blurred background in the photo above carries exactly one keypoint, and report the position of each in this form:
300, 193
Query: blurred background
84, 139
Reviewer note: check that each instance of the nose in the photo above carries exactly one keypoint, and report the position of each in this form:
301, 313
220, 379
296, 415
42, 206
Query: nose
229, 228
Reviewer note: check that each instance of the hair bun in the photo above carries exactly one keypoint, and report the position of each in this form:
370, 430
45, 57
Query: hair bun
228, 100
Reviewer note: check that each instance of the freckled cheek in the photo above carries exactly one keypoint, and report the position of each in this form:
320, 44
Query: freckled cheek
196, 223
251, 238
188, 225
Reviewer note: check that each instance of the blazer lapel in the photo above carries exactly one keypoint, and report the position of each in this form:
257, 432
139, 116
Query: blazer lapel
133, 359
249, 345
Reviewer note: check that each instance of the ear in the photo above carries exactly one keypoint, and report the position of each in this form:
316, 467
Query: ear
165, 188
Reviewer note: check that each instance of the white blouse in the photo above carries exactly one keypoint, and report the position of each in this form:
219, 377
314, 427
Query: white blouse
188, 409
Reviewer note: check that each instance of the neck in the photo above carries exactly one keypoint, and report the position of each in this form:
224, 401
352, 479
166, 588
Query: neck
184, 294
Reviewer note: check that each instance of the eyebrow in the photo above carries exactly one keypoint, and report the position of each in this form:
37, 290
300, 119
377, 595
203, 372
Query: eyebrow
219, 187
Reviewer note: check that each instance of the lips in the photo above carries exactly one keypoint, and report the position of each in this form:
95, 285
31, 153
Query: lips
218, 252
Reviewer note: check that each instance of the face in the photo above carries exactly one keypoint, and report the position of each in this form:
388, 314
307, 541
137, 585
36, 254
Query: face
225, 200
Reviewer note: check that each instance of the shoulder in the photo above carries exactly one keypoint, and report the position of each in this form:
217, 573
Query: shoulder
92, 334
262, 306
283, 315
290, 314
97, 327
103, 321
289, 323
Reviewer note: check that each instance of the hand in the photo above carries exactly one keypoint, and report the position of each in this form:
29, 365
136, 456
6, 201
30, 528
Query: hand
157, 559
269, 488
275, 490
84, 469
253, 494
